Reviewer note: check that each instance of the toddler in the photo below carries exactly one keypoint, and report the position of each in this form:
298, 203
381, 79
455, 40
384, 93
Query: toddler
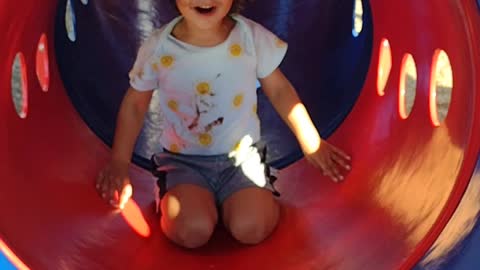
205, 64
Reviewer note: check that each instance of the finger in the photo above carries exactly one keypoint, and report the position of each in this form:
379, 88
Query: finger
328, 173
325, 167
127, 192
333, 170
341, 161
109, 188
341, 153
322, 168
328, 166
112, 187
104, 186
114, 195
121, 190
336, 176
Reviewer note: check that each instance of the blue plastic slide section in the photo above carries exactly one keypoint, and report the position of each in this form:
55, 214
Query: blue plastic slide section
5, 263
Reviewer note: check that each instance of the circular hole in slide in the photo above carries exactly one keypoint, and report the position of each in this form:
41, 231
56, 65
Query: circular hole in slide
357, 18
70, 22
408, 86
41, 67
19, 85
441, 85
384, 66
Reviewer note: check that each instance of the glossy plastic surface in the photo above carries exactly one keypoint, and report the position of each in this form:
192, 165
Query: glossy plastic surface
407, 181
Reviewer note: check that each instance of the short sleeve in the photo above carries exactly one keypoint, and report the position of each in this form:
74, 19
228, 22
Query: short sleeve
270, 50
142, 76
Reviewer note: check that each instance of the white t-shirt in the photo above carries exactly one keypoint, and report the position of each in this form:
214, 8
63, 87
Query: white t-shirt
208, 94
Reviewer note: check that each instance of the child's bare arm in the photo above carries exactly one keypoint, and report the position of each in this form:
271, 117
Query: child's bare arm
287, 103
129, 123
113, 182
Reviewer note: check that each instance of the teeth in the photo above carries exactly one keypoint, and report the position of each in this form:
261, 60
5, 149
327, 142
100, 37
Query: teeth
206, 7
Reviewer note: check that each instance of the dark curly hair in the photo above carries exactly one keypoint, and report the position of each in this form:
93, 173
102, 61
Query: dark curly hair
237, 5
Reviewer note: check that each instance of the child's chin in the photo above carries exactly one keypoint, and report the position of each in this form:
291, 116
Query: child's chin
208, 23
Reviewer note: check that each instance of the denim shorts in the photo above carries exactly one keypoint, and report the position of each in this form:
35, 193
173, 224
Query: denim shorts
222, 175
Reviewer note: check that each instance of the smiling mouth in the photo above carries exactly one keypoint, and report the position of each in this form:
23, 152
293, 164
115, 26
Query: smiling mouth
205, 9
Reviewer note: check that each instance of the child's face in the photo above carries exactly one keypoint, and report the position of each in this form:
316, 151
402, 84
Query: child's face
204, 14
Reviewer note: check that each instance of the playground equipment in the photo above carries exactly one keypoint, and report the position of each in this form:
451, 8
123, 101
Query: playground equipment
411, 200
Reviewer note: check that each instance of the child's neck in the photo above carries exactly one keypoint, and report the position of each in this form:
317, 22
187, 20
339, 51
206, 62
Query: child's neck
189, 33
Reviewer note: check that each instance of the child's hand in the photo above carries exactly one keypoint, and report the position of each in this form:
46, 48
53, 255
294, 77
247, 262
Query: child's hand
113, 184
328, 158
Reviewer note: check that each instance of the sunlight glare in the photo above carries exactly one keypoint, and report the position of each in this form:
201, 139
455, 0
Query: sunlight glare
173, 207
248, 158
309, 135
134, 217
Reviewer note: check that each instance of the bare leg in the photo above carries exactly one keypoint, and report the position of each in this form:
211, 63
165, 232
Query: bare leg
189, 215
251, 215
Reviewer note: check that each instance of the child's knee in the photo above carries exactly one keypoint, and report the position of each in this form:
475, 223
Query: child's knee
195, 234
192, 233
251, 231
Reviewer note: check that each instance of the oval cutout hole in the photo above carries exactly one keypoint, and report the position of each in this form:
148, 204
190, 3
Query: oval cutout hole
384, 66
408, 86
42, 63
19, 85
441, 86
357, 17
70, 21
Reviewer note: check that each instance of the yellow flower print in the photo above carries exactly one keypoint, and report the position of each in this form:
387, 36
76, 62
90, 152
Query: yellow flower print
280, 43
173, 105
255, 112
238, 100
203, 88
155, 67
236, 147
236, 50
205, 139
167, 61
174, 148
